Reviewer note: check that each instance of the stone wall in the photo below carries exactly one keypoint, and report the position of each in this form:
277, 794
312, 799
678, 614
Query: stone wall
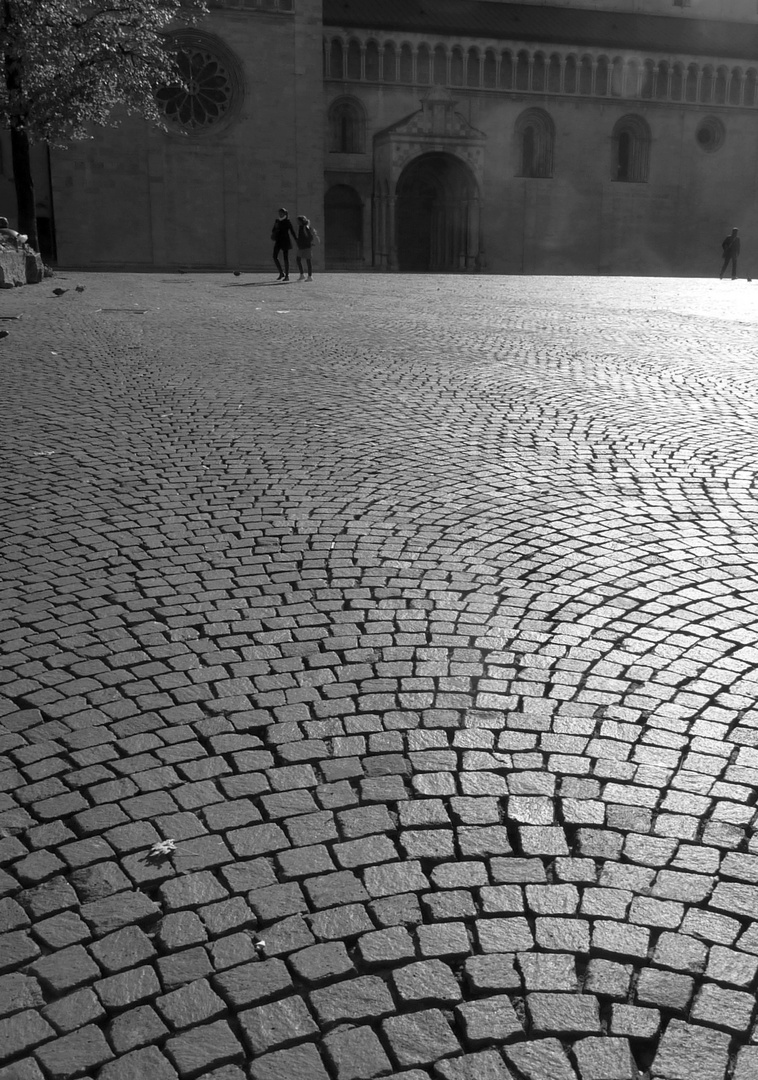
135, 196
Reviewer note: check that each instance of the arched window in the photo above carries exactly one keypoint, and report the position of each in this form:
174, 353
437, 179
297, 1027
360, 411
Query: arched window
735, 86
569, 75
631, 150
617, 77
585, 76
354, 60
424, 65
662, 81
473, 68
749, 94
554, 75
440, 66
506, 71
406, 64
490, 70
690, 89
347, 127
535, 134
522, 71
538, 73
336, 59
456, 68
372, 61
677, 82
389, 63
602, 76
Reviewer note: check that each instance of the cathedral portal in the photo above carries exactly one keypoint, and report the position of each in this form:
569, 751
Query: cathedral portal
436, 195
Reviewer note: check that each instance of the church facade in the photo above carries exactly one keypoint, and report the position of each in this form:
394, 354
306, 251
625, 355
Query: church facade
433, 136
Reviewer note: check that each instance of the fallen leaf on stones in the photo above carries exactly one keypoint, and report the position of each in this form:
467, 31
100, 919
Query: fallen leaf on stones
162, 849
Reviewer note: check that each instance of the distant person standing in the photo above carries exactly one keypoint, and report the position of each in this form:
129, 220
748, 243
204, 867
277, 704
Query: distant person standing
280, 234
731, 248
306, 238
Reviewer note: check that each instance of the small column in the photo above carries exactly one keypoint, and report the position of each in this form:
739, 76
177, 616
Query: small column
391, 237
473, 245
363, 61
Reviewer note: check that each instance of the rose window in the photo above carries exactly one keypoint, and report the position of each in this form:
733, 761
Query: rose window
206, 95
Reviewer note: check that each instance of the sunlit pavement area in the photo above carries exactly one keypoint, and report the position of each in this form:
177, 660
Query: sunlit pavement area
379, 678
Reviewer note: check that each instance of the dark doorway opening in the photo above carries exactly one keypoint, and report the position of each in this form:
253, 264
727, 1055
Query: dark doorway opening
437, 215
343, 226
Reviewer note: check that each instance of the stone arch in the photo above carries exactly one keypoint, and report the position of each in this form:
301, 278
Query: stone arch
631, 150
372, 60
522, 70
437, 201
539, 73
406, 62
677, 82
347, 126
439, 76
507, 70
336, 58
554, 66
473, 67
535, 136
389, 62
456, 66
735, 86
489, 70
570, 75
424, 64
354, 59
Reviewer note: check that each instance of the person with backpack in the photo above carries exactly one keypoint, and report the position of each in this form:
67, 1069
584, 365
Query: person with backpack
280, 234
306, 238
731, 249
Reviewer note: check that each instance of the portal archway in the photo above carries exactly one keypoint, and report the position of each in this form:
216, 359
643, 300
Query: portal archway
437, 215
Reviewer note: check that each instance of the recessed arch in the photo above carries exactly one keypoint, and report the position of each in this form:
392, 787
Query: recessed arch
631, 150
437, 214
347, 126
535, 135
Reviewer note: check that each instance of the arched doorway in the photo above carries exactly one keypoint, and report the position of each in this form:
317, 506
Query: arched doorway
437, 215
343, 226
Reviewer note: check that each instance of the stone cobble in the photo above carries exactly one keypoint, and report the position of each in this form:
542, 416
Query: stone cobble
377, 680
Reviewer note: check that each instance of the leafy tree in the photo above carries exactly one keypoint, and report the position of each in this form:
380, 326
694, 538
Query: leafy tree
68, 63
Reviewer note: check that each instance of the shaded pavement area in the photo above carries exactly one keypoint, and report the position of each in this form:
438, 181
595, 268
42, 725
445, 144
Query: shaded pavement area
379, 677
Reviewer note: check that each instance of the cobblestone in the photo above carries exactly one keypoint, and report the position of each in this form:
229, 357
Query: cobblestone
426, 638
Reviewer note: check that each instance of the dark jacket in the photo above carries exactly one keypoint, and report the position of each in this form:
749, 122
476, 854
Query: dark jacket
280, 233
304, 237
731, 246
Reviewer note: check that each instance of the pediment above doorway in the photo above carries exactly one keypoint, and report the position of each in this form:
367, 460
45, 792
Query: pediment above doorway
437, 126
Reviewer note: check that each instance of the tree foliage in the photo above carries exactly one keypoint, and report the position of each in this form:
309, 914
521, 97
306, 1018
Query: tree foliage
68, 63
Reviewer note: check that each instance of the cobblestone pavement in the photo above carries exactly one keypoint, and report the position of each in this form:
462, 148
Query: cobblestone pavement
416, 619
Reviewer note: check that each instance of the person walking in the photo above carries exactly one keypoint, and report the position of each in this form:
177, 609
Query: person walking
731, 249
306, 237
280, 234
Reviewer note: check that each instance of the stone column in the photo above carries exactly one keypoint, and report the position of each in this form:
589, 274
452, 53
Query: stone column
391, 237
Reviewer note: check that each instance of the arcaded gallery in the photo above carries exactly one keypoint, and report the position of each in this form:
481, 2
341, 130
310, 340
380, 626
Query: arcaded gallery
430, 136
